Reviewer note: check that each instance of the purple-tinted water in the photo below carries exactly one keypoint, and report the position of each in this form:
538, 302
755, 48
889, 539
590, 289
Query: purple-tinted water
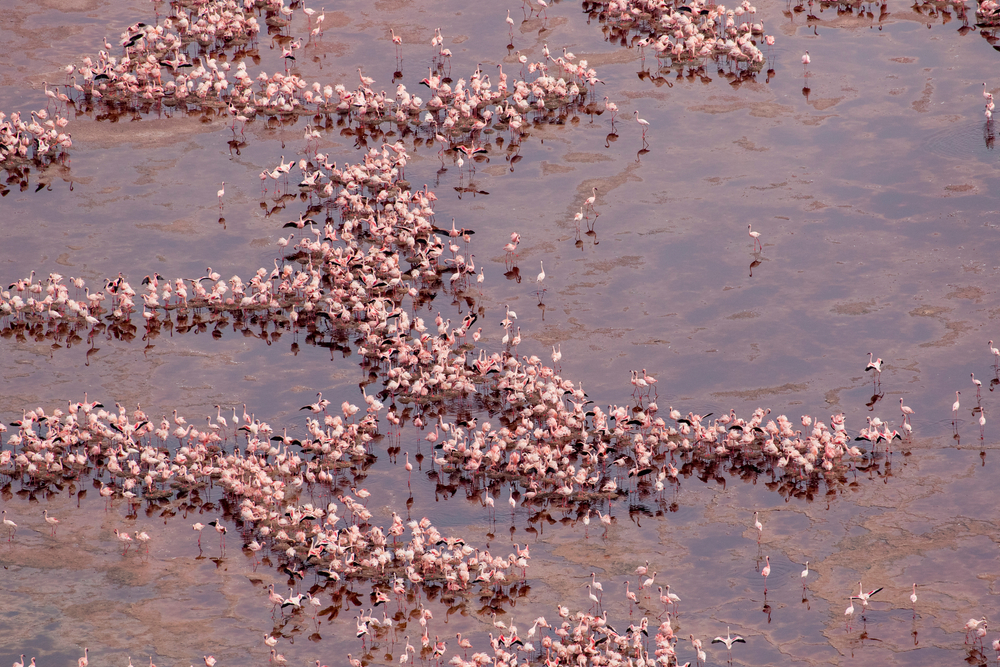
875, 198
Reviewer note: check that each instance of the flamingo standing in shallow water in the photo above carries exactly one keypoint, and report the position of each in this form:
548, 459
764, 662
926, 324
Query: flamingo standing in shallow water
612, 108
52, 521
755, 236
874, 365
907, 411
973, 626
643, 122
198, 527
631, 596
11, 525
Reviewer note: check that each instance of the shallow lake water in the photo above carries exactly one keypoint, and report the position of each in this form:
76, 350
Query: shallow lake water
873, 183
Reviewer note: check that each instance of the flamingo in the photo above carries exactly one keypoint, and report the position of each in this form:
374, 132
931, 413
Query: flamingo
630, 595
397, 40
11, 525
907, 410
125, 539
955, 406
597, 585
650, 380
766, 572
755, 236
672, 598
52, 521
593, 598
643, 122
864, 597
876, 366
729, 640
611, 107
220, 529
973, 625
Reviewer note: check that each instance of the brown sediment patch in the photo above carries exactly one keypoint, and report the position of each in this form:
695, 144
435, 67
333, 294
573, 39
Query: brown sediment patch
150, 133
928, 311
587, 158
179, 226
762, 392
608, 265
970, 292
815, 120
745, 143
953, 330
923, 105
549, 168
824, 103
772, 186
855, 307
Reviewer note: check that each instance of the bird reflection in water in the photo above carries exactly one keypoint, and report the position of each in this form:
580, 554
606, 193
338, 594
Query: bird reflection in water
876, 397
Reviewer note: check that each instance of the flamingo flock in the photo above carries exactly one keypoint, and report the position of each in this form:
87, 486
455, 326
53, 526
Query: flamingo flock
350, 279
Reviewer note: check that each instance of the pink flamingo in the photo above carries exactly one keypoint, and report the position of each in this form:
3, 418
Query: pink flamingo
907, 410
876, 366
642, 122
